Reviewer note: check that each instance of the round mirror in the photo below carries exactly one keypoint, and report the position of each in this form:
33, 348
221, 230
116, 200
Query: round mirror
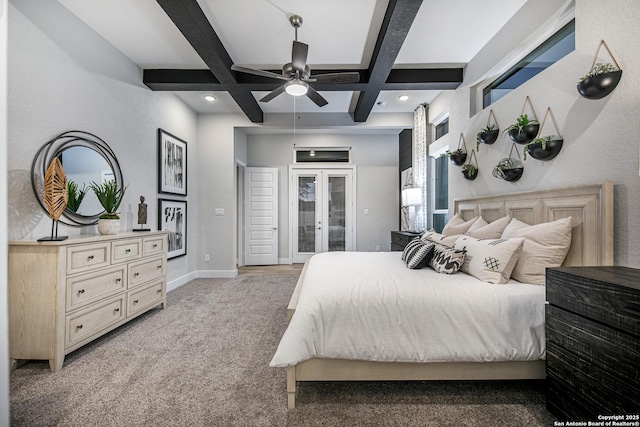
85, 159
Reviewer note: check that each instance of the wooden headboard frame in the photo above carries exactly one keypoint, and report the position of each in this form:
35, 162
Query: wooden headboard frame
590, 206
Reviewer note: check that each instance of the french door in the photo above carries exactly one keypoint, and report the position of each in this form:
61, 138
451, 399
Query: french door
322, 211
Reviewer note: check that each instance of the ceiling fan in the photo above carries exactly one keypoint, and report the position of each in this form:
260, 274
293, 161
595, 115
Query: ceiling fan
297, 73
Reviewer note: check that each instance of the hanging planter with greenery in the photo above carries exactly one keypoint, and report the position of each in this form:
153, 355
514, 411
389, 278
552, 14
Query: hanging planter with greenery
525, 128
469, 170
509, 169
546, 147
459, 156
489, 134
602, 78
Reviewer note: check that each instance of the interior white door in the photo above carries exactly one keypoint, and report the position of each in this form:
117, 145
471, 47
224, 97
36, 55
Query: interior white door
261, 216
322, 211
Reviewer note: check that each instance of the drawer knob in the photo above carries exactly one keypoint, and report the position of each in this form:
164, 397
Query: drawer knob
118, 280
136, 274
159, 267
90, 257
78, 327
127, 251
159, 291
116, 310
155, 245
135, 301
81, 291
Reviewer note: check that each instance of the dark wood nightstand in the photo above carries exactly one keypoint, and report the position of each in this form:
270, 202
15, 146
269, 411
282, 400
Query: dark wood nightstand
400, 239
593, 342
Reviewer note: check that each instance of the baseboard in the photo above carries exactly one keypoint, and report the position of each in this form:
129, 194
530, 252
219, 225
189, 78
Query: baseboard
285, 261
181, 281
217, 274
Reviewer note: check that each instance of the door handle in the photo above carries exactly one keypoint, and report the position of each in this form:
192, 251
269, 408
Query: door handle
274, 228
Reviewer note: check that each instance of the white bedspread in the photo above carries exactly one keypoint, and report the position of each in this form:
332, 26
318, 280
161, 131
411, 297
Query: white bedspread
370, 306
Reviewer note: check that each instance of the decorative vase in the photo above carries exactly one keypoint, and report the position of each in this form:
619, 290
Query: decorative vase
108, 226
526, 135
599, 86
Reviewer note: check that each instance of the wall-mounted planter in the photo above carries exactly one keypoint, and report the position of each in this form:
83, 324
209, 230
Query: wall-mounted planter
600, 85
490, 133
602, 78
513, 174
510, 169
469, 170
551, 150
525, 135
457, 158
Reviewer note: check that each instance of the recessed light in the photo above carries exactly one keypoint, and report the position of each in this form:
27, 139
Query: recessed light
403, 97
209, 98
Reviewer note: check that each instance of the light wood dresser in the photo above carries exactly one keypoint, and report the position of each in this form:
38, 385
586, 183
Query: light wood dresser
63, 295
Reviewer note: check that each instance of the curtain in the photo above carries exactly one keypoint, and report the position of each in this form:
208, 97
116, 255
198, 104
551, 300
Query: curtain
420, 121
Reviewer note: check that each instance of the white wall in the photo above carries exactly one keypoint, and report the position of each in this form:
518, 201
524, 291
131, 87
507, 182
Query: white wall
64, 76
601, 137
376, 159
4, 306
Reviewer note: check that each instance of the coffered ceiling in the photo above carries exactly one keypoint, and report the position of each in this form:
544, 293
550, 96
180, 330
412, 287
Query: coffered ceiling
398, 47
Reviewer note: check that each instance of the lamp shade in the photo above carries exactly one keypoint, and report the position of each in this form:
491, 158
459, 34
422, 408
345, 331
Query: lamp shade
411, 196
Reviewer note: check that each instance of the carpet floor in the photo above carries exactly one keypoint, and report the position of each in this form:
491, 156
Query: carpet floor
203, 361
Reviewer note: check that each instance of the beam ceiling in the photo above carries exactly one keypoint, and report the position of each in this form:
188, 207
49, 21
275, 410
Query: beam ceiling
193, 24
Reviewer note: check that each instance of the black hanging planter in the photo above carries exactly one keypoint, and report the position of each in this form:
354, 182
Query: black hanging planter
599, 86
458, 158
489, 134
489, 137
525, 135
469, 170
551, 150
603, 77
509, 169
468, 176
513, 175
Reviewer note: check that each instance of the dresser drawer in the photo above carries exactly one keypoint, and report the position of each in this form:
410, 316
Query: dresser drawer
609, 295
145, 297
125, 250
153, 245
93, 319
142, 271
89, 287
88, 257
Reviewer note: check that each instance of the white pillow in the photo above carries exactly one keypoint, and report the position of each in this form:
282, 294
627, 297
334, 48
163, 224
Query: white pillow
457, 225
490, 260
480, 229
432, 236
546, 245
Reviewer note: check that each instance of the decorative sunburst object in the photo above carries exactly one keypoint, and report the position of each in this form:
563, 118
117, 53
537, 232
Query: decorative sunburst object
56, 195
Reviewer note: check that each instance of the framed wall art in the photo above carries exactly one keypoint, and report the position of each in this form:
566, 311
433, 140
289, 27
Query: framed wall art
172, 164
172, 217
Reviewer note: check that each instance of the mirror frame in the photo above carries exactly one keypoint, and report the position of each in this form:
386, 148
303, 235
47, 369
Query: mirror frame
54, 148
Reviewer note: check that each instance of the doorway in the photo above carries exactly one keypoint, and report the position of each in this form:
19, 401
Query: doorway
322, 211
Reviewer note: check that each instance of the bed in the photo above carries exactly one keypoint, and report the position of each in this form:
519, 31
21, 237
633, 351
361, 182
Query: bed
591, 210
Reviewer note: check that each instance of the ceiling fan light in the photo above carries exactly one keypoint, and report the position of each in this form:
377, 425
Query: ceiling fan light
209, 98
296, 88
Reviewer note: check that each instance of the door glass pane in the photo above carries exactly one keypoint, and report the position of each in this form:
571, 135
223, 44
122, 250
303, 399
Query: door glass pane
336, 208
306, 214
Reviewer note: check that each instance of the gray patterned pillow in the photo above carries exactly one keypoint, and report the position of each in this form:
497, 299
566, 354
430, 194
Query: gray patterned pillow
446, 260
410, 246
420, 255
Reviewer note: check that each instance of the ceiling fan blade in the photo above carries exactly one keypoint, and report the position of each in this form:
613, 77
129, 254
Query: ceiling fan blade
352, 77
299, 55
268, 97
313, 95
255, 72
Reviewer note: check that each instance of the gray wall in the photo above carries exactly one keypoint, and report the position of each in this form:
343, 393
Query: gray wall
376, 160
64, 76
601, 137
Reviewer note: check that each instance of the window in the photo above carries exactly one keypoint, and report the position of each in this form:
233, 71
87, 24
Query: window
442, 128
439, 203
548, 53
322, 155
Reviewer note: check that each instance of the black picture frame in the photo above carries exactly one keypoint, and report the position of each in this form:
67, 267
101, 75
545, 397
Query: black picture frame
172, 217
172, 164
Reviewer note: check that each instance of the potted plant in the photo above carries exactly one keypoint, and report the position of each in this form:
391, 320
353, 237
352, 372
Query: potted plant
600, 81
523, 130
508, 169
457, 157
469, 171
488, 135
110, 197
76, 194
544, 148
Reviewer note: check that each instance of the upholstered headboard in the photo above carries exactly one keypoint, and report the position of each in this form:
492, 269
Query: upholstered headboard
590, 206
